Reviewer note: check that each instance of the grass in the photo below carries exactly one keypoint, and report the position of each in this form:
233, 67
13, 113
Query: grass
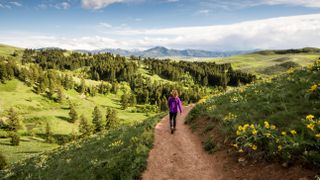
36, 110
284, 101
119, 154
28, 147
7, 51
256, 63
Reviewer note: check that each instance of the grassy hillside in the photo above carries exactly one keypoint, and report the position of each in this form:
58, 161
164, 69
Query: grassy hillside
6, 50
257, 62
277, 119
118, 154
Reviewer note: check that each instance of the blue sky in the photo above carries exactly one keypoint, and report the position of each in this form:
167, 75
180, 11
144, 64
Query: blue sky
140, 24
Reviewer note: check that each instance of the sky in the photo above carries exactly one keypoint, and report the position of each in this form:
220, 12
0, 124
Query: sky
216, 25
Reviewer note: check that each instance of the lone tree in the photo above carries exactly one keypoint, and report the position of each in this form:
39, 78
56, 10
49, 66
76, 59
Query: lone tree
84, 127
3, 162
73, 114
97, 119
13, 125
49, 137
125, 101
111, 118
13, 120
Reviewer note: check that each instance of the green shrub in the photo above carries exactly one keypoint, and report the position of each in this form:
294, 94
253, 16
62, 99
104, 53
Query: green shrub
209, 145
3, 162
15, 138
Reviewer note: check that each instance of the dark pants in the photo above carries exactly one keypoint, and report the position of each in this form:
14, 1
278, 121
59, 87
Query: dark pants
173, 116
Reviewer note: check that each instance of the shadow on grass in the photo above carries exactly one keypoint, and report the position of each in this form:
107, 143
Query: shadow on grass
28, 152
64, 118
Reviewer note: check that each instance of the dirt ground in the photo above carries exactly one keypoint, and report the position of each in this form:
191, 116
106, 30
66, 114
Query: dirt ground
181, 156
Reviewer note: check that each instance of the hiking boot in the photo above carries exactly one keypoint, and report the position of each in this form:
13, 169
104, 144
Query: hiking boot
172, 129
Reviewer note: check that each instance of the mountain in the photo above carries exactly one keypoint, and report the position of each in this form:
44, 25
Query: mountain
163, 52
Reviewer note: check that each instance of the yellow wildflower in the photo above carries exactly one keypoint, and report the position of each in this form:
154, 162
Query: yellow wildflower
283, 133
318, 135
267, 135
245, 127
252, 126
235, 145
313, 88
238, 132
310, 126
273, 126
279, 148
293, 132
254, 147
240, 128
254, 132
310, 117
240, 151
266, 124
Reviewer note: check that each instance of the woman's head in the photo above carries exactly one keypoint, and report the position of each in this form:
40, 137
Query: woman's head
174, 93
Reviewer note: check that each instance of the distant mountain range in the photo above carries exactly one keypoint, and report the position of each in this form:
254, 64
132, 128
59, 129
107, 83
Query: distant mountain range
162, 52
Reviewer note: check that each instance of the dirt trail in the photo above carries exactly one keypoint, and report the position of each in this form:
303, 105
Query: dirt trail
179, 155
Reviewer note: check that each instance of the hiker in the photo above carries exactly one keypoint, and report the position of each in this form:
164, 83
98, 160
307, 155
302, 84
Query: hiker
174, 104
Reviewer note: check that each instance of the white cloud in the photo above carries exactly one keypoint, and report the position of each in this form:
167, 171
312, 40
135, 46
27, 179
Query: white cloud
105, 25
16, 3
62, 5
305, 3
275, 33
98, 4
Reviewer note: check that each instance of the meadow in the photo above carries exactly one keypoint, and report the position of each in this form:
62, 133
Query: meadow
260, 63
275, 119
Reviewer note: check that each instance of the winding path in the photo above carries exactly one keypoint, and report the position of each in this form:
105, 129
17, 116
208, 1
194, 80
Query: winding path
179, 155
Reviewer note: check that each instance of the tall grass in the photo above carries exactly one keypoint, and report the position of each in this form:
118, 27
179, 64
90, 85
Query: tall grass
118, 154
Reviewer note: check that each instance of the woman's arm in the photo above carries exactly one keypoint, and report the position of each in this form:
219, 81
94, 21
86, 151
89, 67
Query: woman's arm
179, 105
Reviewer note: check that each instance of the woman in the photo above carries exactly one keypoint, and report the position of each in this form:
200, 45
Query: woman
174, 104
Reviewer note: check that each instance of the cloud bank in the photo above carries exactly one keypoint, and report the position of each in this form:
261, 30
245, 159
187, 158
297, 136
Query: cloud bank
275, 33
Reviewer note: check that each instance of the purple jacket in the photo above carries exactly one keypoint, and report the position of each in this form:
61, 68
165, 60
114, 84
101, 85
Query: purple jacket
174, 104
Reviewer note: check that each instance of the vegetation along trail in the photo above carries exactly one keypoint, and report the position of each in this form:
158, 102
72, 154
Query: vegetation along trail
179, 155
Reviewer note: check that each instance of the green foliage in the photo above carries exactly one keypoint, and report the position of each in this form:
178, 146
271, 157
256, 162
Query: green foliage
209, 145
3, 161
111, 118
118, 154
49, 137
15, 138
85, 127
13, 120
73, 114
125, 101
265, 118
97, 119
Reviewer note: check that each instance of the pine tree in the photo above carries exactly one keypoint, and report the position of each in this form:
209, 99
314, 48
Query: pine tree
13, 120
49, 137
111, 118
60, 97
84, 127
73, 114
97, 119
125, 101
3, 161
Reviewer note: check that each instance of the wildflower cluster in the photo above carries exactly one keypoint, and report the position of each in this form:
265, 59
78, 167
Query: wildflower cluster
314, 91
313, 126
316, 66
272, 141
251, 137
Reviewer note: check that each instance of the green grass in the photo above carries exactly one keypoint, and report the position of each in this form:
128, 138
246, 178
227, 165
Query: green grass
36, 110
119, 154
7, 51
28, 147
284, 101
256, 63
